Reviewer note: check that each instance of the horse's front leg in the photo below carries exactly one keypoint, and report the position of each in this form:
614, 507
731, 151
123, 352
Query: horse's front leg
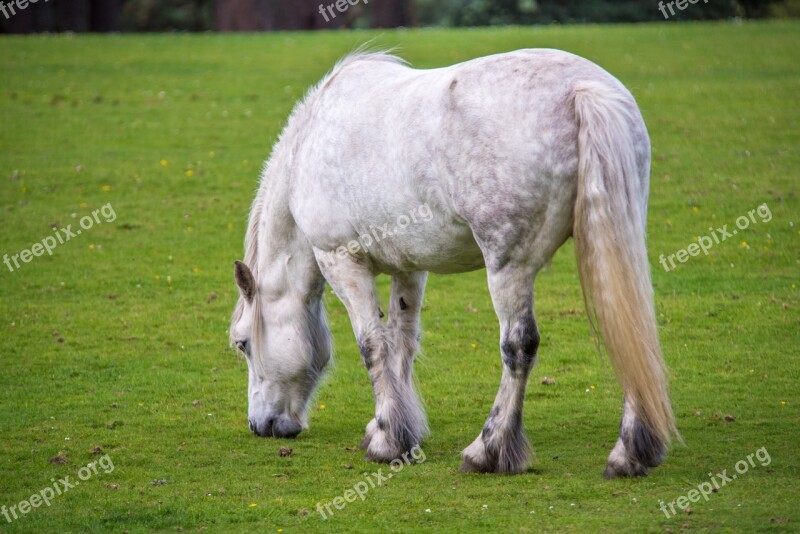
408, 290
502, 446
395, 429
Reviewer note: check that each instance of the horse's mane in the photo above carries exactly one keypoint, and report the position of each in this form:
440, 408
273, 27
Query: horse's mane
360, 55
304, 110
250, 251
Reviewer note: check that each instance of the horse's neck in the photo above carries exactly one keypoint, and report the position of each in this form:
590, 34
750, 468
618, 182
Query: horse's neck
286, 263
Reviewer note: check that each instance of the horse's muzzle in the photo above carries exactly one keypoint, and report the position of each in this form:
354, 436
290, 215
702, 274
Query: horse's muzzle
276, 427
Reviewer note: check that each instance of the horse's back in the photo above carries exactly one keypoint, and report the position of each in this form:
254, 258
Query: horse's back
490, 145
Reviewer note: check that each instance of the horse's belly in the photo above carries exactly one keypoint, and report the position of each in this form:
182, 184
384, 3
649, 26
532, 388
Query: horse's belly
442, 249
394, 240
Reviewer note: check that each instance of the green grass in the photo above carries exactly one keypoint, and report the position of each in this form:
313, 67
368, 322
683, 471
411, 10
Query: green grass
108, 342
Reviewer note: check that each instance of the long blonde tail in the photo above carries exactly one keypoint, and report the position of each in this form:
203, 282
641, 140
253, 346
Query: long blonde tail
609, 234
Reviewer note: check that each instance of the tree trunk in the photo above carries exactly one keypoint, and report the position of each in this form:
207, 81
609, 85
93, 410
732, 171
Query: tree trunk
303, 15
104, 15
241, 15
256, 15
72, 16
391, 13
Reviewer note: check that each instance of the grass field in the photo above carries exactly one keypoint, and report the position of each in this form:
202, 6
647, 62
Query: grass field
117, 343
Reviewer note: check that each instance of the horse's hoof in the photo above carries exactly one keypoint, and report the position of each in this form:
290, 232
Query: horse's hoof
632, 459
476, 459
380, 449
468, 466
624, 469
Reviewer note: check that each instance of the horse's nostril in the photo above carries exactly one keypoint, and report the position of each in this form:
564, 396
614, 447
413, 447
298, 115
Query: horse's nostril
286, 428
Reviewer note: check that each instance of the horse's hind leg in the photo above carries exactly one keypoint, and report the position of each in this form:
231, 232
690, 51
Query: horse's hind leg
502, 446
408, 290
636, 450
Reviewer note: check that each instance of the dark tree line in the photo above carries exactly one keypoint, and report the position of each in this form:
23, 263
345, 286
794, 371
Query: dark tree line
259, 15
69, 15
199, 15
503, 12
254, 15
266, 15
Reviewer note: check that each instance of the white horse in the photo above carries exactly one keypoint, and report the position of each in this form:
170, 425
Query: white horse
503, 158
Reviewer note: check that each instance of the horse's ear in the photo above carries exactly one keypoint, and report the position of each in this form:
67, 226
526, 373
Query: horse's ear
245, 280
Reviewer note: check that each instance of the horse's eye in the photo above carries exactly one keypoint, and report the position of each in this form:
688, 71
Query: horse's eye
243, 346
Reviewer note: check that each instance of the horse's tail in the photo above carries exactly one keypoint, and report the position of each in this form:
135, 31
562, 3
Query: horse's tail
609, 234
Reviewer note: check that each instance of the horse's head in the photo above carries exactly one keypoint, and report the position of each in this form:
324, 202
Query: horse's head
286, 352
